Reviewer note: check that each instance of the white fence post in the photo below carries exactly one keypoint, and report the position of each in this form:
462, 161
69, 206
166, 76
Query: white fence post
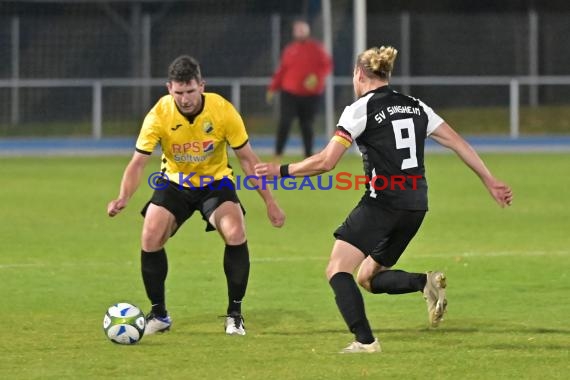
15, 51
236, 94
329, 85
146, 57
275, 55
514, 107
359, 19
533, 54
405, 63
97, 117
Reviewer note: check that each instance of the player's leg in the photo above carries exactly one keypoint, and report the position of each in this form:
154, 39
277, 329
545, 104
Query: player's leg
376, 275
355, 239
344, 260
308, 106
378, 279
159, 224
368, 269
389, 281
287, 114
228, 219
164, 214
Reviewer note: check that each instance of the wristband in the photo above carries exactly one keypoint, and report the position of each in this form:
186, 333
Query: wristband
284, 171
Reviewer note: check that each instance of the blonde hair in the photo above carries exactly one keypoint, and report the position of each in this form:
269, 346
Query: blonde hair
377, 61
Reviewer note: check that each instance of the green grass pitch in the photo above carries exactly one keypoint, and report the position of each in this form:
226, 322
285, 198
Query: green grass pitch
64, 262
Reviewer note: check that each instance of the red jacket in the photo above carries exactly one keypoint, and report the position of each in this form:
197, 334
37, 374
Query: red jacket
299, 60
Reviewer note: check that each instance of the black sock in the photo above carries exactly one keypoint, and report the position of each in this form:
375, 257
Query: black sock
236, 268
154, 267
397, 282
351, 305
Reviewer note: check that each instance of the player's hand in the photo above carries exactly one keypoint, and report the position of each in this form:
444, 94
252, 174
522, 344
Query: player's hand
114, 207
275, 214
269, 95
500, 191
267, 169
311, 82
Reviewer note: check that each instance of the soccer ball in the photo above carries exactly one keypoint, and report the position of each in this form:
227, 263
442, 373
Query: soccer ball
124, 323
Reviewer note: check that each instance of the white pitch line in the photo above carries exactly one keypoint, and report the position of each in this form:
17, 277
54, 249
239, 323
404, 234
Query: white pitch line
429, 256
317, 258
498, 254
8, 266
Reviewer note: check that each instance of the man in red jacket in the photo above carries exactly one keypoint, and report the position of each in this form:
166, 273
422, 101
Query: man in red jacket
301, 78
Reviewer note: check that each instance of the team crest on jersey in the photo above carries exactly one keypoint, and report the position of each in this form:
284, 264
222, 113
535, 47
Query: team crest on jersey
207, 146
207, 127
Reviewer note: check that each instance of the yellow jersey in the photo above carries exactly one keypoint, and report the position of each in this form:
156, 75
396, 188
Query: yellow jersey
194, 151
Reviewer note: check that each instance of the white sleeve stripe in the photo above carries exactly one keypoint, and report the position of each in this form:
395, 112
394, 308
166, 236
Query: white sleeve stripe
354, 117
434, 120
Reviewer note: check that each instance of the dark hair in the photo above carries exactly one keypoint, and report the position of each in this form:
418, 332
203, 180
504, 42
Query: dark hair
183, 69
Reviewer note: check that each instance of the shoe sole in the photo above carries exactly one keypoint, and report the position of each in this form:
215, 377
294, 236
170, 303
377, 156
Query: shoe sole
370, 350
360, 351
236, 334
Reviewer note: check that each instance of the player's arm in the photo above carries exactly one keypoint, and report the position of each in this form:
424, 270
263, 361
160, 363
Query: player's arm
319, 163
446, 136
248, 159
129, 184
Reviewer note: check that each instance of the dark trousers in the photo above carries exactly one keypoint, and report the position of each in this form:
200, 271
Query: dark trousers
303, 107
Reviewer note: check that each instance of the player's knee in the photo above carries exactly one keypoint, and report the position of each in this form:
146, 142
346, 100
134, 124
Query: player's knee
153, 239
363, 281
331, 270
151, 245
234, 236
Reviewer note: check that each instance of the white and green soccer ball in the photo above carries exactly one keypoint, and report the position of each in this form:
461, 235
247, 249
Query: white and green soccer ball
124, 323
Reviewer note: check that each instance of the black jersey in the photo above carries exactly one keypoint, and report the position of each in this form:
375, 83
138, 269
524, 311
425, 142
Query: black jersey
390, 130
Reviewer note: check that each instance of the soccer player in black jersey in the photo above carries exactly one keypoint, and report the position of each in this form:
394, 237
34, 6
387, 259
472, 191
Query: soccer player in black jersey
390, 130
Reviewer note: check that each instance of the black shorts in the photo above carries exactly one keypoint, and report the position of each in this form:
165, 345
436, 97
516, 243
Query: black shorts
182, 202
380, 232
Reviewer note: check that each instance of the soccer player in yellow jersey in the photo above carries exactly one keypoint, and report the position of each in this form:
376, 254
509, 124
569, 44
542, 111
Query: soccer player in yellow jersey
193, 129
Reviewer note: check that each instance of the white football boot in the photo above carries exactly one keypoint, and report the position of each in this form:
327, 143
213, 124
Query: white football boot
357, 348
434, 294
156, 324
234, 324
